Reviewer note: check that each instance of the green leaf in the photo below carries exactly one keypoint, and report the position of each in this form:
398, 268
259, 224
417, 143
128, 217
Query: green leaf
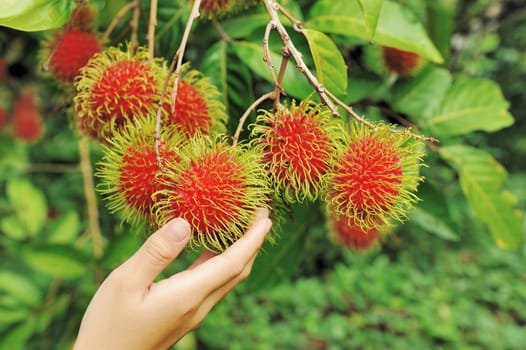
470, 105
13, 228
433, 224
371, 12
20, 287
57, 261
29, 204
294, 83
33, 15
64, 229
17, 337
420, 96
481, 179
397, 26
330, 65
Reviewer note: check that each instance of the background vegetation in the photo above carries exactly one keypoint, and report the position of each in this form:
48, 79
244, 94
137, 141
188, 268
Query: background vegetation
452, 277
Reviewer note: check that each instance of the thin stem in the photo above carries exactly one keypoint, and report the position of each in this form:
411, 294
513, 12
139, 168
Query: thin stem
151, 28
267, 58
122, 12
134, 25
251, 108
52, 168
91, 199
180, 51
289, 48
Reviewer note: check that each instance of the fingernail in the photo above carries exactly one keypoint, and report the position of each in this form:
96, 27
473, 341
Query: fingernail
178, 229
262, 213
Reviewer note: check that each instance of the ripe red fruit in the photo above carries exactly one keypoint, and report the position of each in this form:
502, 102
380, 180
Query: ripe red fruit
374, 180
300, 143
353, 237
82, 17
198, 107
114, 87
217, 188
129, 171
70, 51
401, 62
26, 118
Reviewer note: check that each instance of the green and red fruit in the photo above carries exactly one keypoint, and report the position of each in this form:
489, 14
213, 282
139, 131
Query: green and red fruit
198, 106
69, 51
114, 87
373, 183
131, 177
217, 188
401, 62
300, 144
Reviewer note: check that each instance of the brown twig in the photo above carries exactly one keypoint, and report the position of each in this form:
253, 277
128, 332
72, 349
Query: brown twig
224, 35
134, 25
151, 28
180, 51
250, 109
122, 12
91, 199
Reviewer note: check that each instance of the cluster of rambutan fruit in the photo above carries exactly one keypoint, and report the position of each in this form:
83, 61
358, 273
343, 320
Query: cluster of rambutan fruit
187, 166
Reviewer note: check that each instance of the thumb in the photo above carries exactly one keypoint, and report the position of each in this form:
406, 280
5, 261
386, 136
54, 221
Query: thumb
156, 253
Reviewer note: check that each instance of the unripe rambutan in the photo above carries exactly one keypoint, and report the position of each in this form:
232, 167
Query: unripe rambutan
26, 117
350, 236
217, 188
70, 51
129, 171
300, 143
198, 106
116, 86
374, 180
401, 62
220, 8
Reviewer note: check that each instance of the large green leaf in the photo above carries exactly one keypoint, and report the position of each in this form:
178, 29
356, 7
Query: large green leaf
420, 96
20, 287
65, 229
17, 337
397, 26
470, 105
433, 224
481, 179
371, 12
330, 65
28, 203
58, 261
294, 83
33, 15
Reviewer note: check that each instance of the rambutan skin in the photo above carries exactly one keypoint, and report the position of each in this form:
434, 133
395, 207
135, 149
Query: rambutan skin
350, 236
198, 106
129, 171
70, 51
217, 188
300, 144
374, 181
26, 118
115, 86
401, 62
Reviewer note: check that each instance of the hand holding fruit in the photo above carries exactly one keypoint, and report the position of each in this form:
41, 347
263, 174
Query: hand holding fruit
130, 311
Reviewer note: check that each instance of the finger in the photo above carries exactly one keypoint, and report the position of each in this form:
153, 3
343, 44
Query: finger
156, 253
206, 255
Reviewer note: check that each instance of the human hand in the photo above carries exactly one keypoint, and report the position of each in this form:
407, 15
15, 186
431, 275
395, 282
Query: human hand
129, 311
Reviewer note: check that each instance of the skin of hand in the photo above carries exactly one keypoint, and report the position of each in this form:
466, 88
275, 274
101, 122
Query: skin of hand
129, 311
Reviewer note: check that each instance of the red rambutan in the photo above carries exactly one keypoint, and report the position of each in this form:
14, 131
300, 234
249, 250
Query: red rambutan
299, 144
217, 188
401, 62
70, 51
198, 106
26, 118
353, 237
219, 8
374, 180
82, 17
129, 171
116, 86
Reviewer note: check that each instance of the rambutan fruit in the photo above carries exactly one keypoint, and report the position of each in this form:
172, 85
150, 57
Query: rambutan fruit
217, 188
219, 8
116, 86
83, 17
373, 183
300, 144
129, 170
198, 105
353, 237
26, 117
401, 62
69, 51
